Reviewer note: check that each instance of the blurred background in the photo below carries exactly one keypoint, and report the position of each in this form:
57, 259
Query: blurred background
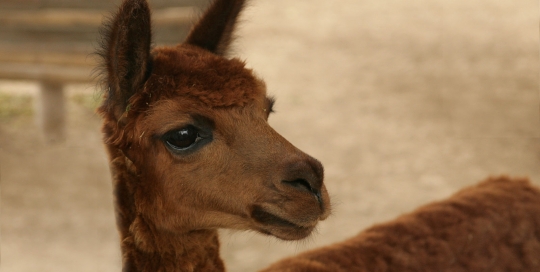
404, 102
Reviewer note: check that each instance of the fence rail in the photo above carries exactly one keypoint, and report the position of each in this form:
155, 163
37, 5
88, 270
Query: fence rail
52, 41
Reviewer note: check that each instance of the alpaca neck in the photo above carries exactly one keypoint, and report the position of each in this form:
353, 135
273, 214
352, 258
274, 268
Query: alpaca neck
146, 248
196, 251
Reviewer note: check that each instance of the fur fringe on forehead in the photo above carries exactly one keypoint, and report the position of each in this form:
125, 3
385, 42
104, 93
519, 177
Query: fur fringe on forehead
191, 74
126, 62
194, 74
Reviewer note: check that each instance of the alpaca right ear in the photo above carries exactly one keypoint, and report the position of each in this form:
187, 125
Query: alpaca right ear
125, 51
214, 30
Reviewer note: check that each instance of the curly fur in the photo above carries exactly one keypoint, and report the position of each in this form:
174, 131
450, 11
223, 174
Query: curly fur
134, 77
493, 226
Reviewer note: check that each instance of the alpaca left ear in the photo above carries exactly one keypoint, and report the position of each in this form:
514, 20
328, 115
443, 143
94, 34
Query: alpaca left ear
214, 30
126, 54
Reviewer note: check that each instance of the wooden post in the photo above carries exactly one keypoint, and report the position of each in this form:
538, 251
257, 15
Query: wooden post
51, 111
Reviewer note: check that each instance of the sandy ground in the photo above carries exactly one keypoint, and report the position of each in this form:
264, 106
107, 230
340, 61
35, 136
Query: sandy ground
404, 102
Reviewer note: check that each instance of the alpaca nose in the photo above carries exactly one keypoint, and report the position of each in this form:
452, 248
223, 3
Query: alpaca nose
305, 175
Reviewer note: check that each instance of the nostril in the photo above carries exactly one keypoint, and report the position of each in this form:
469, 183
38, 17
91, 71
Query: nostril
305, 174
300, 184
303, 184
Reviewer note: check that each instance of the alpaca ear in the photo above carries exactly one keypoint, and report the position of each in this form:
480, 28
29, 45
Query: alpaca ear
126, 53
214, 30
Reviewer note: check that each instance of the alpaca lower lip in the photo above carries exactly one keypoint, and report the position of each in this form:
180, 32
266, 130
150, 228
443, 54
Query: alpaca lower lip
287, 233
280, 227
267, 218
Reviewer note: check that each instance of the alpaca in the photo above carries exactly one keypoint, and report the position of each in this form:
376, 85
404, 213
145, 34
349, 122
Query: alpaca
191, 151
493, 226
190, 147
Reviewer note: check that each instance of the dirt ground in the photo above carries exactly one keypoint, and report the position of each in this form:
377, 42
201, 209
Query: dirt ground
404, 102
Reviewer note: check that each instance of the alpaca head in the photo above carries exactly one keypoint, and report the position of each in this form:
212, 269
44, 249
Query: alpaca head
192, 126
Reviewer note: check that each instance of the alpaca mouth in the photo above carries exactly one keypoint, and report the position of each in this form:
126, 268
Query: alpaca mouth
269, 219
280, 227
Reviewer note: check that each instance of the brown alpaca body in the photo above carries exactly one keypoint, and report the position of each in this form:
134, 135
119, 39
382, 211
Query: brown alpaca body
191, 151
493, 226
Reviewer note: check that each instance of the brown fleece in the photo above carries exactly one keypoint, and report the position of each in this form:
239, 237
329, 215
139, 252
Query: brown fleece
145, 247
493, 226
134, 77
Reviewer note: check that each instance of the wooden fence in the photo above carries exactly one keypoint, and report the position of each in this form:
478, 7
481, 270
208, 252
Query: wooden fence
52, 41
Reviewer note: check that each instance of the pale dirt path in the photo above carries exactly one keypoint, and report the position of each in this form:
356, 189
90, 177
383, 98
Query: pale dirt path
404, 102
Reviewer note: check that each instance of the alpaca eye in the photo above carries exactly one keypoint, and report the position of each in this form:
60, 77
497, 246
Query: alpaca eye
182, 138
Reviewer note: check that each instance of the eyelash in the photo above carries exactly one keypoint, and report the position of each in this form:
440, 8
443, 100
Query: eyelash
270, 107
185, 139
